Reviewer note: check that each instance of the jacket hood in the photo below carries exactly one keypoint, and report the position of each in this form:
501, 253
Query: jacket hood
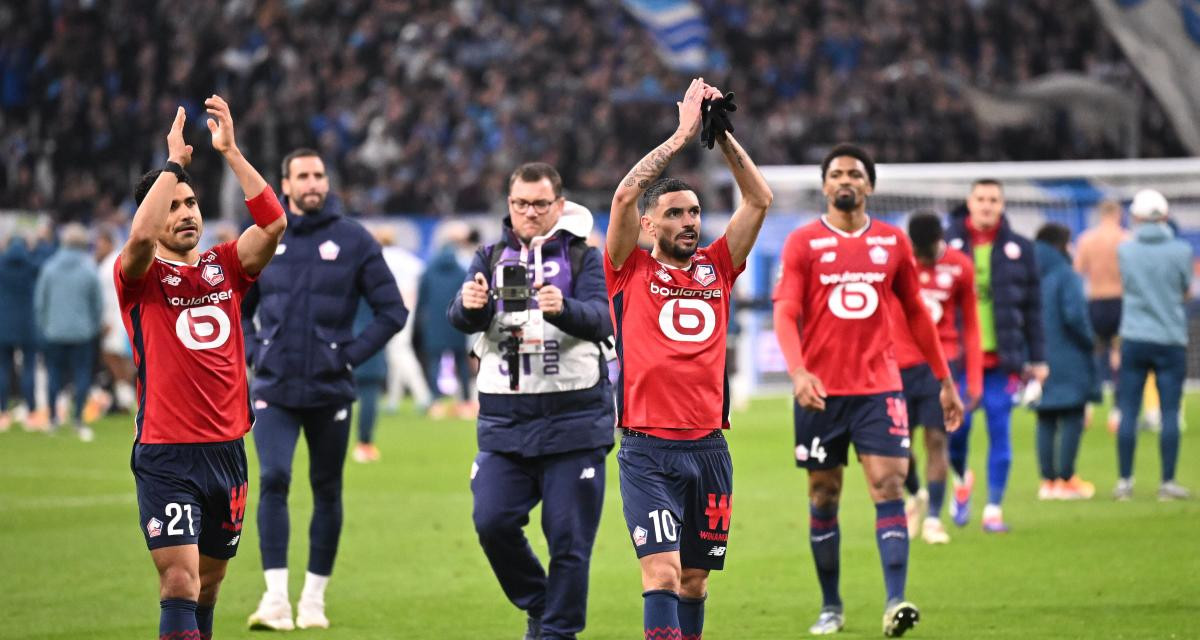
1153, 232
17, 251
1049, 259
308, 222
575, 220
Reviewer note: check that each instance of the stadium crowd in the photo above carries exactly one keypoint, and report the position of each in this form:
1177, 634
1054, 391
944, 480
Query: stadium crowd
423, 106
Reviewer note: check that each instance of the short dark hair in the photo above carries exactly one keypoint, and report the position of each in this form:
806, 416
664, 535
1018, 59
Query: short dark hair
852, 151
987, 182
534, 172
650, 196
302, 152
143, 186
925, 231
1055, 235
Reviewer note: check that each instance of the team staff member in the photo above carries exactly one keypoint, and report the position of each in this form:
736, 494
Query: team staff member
547, 439
1010, 332
182, 312
302, 354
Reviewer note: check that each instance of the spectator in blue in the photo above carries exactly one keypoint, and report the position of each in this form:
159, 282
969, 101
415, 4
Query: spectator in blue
19, 266
67, 308
1073, 379
1156, 273
370, 379
439, 285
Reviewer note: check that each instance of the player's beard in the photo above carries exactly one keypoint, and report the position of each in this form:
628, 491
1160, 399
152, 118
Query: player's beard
306, 203
846, 202
181, 245
670, 248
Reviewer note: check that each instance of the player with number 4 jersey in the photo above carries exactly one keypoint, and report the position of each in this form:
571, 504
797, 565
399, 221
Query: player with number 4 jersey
839, 276
670, 310
182, 310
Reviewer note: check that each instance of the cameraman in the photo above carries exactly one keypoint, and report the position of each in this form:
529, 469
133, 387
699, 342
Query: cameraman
544, 433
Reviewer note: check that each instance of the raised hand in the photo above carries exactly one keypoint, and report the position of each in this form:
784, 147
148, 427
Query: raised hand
689, 108
220, 124
178, 151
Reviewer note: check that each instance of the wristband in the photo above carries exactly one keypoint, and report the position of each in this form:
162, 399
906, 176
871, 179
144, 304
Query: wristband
175, 168
265, 207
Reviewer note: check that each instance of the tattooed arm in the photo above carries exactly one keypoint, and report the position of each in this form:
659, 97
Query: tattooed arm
756, 197
623, 224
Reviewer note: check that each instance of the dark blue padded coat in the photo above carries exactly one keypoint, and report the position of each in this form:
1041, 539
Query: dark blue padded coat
304, 349
1016, 294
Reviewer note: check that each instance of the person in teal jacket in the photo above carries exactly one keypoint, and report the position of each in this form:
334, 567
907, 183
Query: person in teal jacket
1073, 380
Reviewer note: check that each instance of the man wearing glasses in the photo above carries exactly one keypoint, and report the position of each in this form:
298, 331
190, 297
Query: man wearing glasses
545, 402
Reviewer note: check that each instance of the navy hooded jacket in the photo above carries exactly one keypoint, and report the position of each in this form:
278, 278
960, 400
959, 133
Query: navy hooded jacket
19, 267
304, 349
1016, 294
1073, 380
537, 424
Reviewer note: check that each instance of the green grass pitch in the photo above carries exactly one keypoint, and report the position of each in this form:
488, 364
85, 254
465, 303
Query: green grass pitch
73, 563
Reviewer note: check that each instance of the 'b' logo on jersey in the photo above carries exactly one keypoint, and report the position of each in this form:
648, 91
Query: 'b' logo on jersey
853, 300
202, 328
687, 320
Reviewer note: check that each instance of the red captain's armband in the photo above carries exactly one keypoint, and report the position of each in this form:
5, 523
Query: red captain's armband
265, 207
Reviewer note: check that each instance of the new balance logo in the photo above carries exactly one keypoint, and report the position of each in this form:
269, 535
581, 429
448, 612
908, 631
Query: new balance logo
172, 280
716, 551
234, 540
588, 474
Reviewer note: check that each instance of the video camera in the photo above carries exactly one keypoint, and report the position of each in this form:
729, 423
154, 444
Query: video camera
523, 325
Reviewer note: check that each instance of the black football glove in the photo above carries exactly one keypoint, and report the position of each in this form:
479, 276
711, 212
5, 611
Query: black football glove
714, 119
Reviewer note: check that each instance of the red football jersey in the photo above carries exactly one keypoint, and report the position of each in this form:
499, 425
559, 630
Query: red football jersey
845, 284
670, 327
185, 325
945, 288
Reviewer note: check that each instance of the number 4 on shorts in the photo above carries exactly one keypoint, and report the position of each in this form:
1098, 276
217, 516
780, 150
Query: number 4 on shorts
814, 451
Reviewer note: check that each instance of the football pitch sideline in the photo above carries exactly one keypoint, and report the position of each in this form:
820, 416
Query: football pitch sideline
73, 563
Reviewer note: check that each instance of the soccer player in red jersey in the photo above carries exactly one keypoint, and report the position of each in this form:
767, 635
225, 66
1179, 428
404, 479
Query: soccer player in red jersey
947, 281
839, 275
670, 309
182, 310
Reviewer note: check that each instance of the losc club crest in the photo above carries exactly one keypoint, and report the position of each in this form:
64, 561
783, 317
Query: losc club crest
213, 274
154, 528
705, 274
639, 536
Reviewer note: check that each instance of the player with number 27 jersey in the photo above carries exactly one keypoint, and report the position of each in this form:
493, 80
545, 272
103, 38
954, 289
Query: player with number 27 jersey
185, 325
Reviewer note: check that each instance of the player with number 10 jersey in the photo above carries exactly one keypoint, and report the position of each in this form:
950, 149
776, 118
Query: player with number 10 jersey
670, 308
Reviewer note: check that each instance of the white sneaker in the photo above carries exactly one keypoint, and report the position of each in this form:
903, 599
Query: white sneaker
934, 532
915, 509
274, 614
310, 614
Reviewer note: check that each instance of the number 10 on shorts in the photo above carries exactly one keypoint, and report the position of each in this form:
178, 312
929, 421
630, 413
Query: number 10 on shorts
664, 526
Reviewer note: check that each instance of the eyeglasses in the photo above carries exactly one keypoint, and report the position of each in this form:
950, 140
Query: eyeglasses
539, 206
